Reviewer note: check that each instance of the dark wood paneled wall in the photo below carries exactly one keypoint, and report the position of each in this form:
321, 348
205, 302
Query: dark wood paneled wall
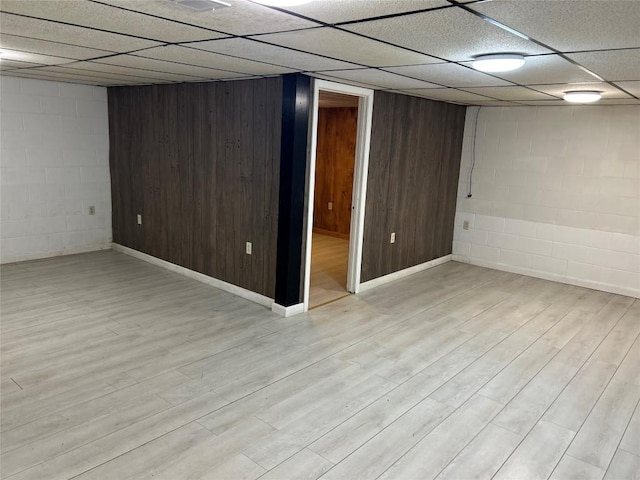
335, 163
414, 164
200, 162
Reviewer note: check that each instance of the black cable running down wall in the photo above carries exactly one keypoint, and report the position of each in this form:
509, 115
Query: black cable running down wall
473, 154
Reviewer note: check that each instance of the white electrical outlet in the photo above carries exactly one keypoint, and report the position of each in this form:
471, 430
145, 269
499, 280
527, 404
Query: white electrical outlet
139, 219
248, 248
92, 210
465, 225
330, 206
393, 237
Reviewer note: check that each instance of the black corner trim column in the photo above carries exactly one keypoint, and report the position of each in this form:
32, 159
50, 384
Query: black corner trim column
296, 104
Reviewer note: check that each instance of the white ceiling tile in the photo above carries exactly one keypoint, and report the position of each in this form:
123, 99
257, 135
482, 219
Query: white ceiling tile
132, 72
13, 64
496, 103
328, 77
615, 65
58, 77
610, 101
632, 87
198, 60
256, 50
448, 94
336, 11
570, 25
104, 17
509, 93
450, 75
24, 44
379, 78
119, 79
619, 101
558, 90
242, 18
19, 56
152, 66
57, 32
345, 46
546, 69
452, 34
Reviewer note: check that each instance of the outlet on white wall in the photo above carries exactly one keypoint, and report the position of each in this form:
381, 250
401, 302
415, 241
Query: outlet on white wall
139, 219
465, 225
393, 237
248, 248
92, 210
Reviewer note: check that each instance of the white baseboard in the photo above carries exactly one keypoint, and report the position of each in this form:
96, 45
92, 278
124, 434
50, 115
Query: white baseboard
214, 282
403, 273
605, 287
287, 311
56, 253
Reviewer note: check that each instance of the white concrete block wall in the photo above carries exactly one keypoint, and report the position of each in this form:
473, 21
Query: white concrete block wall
555, 194
54, 162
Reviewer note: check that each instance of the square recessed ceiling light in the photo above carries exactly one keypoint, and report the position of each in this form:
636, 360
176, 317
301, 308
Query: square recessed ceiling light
202, 5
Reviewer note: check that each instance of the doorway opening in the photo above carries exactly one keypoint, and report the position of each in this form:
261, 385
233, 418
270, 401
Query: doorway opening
341, 125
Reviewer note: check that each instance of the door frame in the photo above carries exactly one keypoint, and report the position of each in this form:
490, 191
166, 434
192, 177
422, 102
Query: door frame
359, 195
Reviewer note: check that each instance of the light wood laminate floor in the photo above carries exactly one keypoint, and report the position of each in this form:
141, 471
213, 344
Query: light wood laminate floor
329, 265
116, 369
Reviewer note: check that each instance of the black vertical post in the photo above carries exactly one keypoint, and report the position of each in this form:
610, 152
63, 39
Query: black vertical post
296, 103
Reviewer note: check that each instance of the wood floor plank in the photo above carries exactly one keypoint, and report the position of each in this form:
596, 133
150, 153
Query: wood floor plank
598, 439
538, 454
434, 452
23, 406
80, 414
506, 384
528, 406
239, 467
624, 465
103, 449
574, 404
483, 456
571, 468
457, 371
304, 465
281, 444
141, 460
631, 439
364, 425
379, 453
49, 447
329, 265
212, 453
273, 394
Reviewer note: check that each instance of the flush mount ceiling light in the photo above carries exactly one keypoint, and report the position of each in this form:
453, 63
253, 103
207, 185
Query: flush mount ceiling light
582, 96
282, 3
498, 62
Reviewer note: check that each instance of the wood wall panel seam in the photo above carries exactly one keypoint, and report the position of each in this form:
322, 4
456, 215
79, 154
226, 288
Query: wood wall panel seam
200, 162
414, 165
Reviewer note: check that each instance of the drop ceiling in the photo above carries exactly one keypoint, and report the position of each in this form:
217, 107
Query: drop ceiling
417, 47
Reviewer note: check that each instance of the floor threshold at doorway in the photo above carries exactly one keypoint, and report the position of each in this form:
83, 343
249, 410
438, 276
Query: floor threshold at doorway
329, 301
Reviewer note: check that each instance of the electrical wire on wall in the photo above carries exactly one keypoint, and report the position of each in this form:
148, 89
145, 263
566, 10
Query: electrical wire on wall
473, 154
